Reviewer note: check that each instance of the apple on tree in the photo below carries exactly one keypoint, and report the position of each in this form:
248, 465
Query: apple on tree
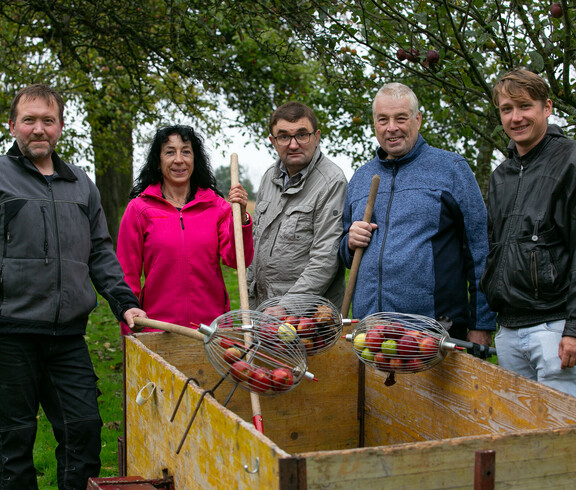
556, 10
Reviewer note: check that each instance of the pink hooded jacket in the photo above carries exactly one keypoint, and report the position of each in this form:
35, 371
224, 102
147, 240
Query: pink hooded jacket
179, 252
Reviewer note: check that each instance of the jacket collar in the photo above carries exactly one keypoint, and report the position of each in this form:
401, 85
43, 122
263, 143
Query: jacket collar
60, 167
155, 190
404, 159
278, 177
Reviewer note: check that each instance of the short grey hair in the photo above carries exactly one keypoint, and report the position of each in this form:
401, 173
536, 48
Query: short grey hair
398, 91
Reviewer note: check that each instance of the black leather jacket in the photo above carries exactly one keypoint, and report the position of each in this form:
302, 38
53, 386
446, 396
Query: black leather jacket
530, 274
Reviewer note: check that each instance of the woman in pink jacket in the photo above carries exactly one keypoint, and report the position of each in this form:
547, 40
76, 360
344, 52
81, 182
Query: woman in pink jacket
177, 230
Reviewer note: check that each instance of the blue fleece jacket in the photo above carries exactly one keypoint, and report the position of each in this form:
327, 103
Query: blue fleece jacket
427, 255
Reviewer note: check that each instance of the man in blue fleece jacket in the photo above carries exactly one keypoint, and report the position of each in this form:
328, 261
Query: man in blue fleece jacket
427, 243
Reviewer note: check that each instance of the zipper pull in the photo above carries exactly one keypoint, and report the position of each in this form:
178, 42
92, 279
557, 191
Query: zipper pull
181, 220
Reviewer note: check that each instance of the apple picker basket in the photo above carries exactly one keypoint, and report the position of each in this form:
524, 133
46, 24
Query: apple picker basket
273, 362
400, 342
316, 320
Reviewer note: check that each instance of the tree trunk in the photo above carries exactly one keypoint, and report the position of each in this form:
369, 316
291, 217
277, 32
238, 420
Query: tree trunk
113, 154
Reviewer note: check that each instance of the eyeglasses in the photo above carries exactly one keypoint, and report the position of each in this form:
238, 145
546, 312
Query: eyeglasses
286, 139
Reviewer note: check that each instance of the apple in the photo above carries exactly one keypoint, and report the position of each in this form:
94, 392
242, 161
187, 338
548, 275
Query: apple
401, 54
374, 339
260, 380
306, 327
286, 332
556, 10
231, 355
413, 365
428, 347
367, 354
381, 361
407, 346
308, 344
276, 311
282, 379
324, 314
432, 56
412, 55
292, 320
395, 364
240, 371
268, 332
394, 331
360, 342
388, 347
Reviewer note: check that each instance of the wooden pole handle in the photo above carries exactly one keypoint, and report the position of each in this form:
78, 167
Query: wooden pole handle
360, 250
169, 327
242, 282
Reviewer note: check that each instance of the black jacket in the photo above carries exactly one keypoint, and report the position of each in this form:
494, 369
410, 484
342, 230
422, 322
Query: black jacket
55, 249
530, 274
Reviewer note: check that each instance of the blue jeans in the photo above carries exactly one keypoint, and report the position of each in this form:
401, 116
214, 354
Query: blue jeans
533, 352
57, 373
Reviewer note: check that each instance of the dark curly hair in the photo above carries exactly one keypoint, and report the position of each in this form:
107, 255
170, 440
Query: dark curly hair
202, 177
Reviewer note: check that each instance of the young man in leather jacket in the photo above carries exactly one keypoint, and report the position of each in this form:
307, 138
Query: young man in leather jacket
529, 279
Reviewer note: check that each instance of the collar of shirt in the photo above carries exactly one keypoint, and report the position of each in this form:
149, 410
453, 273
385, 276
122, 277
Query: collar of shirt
291, 181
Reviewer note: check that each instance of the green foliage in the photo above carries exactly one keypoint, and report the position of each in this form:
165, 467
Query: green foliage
223, 179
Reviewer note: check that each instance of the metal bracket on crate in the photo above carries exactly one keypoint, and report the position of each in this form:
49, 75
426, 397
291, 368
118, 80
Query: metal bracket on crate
204, 393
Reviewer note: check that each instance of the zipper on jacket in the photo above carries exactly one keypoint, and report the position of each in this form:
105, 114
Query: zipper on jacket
45, 235
58, 258
386, 222
181, 219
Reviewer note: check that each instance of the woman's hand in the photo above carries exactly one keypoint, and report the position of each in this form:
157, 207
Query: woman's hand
238, 195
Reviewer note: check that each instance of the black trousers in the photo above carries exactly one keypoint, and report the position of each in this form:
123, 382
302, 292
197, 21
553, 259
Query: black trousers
57, 373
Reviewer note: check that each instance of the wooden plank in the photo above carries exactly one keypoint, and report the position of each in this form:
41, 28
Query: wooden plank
461, 396
527, 460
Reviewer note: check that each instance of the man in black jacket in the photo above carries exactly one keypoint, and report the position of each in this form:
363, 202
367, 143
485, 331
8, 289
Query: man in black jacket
530, 274
54, 250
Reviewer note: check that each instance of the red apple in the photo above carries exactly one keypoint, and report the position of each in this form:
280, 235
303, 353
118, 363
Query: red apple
395, 364
413, 365
292, 320
428, 346
282, 379
268, 332
305, 327
277, 311
412, 55
226, 343
260, 380
231, 355
240, 371
556, 10
401, 54
432, 56
394, 331
374, 339
407, 346
381, 361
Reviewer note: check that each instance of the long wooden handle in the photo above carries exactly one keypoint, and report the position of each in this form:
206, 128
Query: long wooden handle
360, 250
169, 327
242, 283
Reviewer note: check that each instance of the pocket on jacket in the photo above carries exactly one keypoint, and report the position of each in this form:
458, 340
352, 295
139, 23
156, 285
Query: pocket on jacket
298, 224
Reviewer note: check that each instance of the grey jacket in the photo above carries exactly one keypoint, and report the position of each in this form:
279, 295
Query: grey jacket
297, 233
55, 249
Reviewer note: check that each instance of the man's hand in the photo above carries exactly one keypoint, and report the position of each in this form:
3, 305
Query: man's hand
360, 234
129, 318
482, 337
567, 352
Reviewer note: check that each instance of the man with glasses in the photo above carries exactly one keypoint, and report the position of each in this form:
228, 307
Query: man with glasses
298, 214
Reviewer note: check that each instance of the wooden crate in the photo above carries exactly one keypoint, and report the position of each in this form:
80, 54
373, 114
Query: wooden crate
423, 432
